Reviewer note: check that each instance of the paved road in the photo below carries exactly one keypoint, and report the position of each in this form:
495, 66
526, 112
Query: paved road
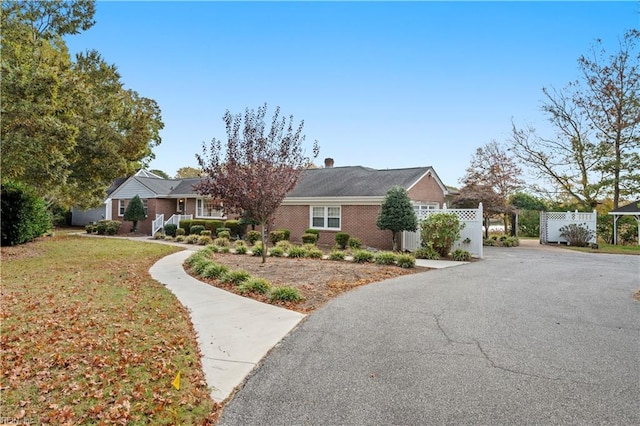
526, 336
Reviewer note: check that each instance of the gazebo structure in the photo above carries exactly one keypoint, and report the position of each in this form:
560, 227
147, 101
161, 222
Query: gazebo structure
632, 209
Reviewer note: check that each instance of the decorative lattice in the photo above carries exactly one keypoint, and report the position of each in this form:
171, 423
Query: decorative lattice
464, 215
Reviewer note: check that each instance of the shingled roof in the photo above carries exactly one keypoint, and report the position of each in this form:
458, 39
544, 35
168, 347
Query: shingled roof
631, 208
354, 181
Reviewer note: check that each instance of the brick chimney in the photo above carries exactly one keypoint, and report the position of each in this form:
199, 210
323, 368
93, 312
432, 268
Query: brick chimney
328, 163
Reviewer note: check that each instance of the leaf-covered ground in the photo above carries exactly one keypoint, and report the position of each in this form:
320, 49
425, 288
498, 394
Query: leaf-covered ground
89, 338
318, 280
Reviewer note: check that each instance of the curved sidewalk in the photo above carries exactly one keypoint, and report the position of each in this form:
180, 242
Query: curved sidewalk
234, 332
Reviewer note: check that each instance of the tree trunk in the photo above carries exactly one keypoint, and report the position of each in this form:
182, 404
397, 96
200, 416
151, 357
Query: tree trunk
394, 240
264, 241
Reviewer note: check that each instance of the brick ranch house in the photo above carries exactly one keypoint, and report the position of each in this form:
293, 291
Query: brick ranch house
331, 199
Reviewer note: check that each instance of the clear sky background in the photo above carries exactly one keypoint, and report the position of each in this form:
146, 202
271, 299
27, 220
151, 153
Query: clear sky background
378, 84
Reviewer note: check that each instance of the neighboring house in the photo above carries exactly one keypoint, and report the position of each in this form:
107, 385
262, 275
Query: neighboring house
331, 199
348, 199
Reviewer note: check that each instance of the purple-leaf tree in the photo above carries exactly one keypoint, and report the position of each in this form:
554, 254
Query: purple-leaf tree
258, 166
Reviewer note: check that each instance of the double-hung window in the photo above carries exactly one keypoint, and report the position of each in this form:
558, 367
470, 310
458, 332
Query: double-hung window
326, 217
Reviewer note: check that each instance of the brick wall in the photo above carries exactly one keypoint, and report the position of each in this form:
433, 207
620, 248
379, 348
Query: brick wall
427, 190
357, 221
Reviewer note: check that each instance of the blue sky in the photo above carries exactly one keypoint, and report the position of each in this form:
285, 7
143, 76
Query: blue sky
379, 84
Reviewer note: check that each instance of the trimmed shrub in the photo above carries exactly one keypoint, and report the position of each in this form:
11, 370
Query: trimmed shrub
210, 225
159, 235
170, 229
206, 233
236, 277
24, 215
214, 270
135, 212
461, 255
276, 236
235, 227
427, 253
312, 231
276, 252
180, 231
314, 253
253, 236
186, 225
179, 238
385, 258
113, 226
354, 243
222, 242
577, 235
439, 231
309, 238
196, 229
297, 251
285, 294
257, 249
203, 240
362, 256
255, 285
223, 233
90, 229
336, 255
191, 239
406, 261
342, 239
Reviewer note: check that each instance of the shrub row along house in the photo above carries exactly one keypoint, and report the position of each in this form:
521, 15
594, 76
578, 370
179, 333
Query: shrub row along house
330, 199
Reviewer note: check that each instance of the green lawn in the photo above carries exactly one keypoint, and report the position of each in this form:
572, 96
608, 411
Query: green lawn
88, 337
608, 248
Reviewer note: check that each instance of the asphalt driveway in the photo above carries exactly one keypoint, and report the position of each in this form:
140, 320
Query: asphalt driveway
526, 336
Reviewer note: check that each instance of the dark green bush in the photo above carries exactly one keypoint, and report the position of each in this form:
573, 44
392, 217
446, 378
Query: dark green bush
196, 229
186, 225
236, 228
170, 229
342, 239
253, 236
313, 231
24, 215
90, 229
309, 238
275, 236
213, 225
354, 243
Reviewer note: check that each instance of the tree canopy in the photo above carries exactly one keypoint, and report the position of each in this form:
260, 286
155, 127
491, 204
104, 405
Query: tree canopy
595, 152
135, 212
188, 172
258, 167
69, 127
397, 214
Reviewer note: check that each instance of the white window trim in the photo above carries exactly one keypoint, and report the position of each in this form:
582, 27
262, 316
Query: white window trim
122, 206
199, 207
325, 218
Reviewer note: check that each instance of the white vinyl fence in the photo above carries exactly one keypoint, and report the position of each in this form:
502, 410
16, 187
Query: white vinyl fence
159, 222
470, 236
551, 222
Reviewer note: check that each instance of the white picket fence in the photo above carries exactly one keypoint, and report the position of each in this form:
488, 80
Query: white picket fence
551, 222
470, 236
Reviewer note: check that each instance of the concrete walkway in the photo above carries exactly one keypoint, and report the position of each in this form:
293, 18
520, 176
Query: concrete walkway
234, 332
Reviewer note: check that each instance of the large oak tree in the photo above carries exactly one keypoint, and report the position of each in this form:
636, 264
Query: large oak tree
69, 127
258, 165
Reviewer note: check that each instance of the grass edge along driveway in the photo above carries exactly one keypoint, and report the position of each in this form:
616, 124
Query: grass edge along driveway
88, 337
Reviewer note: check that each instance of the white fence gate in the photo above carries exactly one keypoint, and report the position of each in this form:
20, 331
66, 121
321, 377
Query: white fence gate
551, 222
470, 236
